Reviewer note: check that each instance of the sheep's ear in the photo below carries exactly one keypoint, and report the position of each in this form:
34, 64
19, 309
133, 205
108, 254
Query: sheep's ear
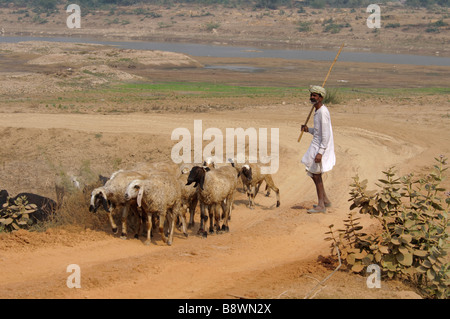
139, 197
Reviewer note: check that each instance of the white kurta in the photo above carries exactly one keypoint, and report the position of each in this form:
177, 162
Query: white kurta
322, 143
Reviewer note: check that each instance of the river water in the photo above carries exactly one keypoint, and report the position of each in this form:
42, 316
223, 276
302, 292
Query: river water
250, 52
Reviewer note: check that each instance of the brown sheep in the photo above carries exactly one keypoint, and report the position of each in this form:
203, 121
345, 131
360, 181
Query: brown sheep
252, 178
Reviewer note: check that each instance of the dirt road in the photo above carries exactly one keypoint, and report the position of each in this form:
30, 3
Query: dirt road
269, 252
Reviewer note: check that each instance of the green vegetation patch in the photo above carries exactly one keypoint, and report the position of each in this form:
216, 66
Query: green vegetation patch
205, 89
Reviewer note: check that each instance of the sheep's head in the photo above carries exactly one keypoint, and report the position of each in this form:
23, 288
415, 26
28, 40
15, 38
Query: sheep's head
197, 176
247, 172
98, 197
135, 191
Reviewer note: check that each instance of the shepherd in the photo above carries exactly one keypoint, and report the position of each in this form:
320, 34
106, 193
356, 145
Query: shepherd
320, 157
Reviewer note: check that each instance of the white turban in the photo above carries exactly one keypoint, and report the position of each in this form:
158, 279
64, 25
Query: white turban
317, 89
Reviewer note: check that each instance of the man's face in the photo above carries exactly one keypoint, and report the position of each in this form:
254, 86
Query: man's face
315, 98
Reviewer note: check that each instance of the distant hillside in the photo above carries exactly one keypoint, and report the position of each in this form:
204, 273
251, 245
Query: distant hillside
50, 5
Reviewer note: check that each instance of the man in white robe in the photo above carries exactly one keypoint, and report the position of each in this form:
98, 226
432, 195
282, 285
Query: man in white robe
320, 157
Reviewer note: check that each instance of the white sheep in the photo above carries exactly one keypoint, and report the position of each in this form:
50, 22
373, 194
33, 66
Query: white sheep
215, 189
111, 197
158, 194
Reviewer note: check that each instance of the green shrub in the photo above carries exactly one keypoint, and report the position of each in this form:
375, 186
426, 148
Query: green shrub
211, 26
393, 25
413, 243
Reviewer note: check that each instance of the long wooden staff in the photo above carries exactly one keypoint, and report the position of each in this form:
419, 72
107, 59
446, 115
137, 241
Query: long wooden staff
323, 85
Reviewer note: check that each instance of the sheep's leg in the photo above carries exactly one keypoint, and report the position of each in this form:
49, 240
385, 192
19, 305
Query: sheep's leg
271, 184
251, 197
184, 209
218, 215
124, 221
149, 229
192, 206
141, 223
225, 215
177, 209
155, 221
212, 210
171, 218
141, 216
227, 212
249, 193
162, 220
111, 221
267, 190
277, 191
203, 218
257, 188
184, 227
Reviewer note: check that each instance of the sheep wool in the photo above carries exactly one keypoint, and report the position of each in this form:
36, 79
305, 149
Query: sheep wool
159, 194
111, 195
215, 189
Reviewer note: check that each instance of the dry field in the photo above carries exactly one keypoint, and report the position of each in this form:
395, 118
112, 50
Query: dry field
84, 110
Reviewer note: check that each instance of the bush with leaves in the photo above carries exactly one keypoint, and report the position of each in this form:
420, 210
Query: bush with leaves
413, 215
17, 216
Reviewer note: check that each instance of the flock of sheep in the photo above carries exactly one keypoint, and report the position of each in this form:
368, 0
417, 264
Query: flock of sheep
163, 193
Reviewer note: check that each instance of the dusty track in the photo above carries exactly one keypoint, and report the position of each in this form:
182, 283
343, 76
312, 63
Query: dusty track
269, 252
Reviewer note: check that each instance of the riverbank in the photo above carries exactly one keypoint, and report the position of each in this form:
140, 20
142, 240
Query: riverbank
36, 67
404, 30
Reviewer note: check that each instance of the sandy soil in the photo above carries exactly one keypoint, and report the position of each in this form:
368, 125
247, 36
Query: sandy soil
269, 252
